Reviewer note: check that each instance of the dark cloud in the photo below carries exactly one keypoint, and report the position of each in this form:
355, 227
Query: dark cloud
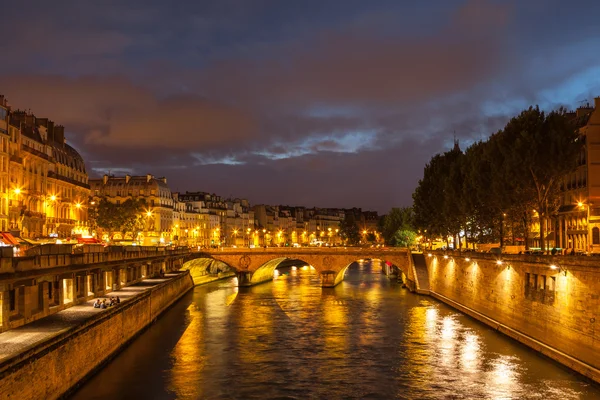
316, 102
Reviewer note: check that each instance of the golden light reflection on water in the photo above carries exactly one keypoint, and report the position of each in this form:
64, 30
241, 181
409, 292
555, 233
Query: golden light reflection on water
298, 301
231, 298
503, 379
254, 312
188, 357
447, 344
363, 335
471, 353
334, 319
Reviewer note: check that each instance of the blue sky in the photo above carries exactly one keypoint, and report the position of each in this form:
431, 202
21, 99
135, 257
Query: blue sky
315, 103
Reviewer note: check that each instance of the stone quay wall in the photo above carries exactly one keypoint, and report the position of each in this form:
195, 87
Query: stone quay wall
54, 368
551, 304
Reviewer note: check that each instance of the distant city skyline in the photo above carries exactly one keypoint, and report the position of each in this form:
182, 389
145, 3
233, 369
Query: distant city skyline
316, 103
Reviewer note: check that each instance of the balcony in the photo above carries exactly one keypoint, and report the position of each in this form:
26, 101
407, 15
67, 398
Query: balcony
35, 152
16, 158
52, 220
34, 214
52, 174
581, 229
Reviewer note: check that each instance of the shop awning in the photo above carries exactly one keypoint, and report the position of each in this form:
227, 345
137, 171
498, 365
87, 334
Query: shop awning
8, 239
88, 241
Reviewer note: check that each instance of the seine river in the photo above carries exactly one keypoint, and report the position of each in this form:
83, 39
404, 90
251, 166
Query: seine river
290, 339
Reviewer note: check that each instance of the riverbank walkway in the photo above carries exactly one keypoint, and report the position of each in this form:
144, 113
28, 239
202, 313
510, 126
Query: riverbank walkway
15, 343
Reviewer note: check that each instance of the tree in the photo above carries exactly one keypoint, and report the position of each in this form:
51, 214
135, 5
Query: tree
404, 238
349, 230
435, 200
539, 151
397, 218
126, 217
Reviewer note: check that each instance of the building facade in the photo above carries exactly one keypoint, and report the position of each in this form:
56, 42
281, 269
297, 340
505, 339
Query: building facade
578, 223
44, 188
157, 216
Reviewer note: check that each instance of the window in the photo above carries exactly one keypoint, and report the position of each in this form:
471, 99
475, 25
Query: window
12, 300
551, 284
595, 235
542, 282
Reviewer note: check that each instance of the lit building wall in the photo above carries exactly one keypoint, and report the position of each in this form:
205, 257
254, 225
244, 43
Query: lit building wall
43, 181
159, 214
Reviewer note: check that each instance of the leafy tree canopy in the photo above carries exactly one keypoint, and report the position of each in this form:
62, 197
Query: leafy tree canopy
125, 217
349, 231
397, 219
404, 238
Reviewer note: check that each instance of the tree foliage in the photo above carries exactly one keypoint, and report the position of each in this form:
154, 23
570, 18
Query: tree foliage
404, 238
498, 183
349, 231
125, 217
397, 219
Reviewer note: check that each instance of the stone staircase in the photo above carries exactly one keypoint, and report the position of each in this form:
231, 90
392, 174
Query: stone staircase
421, 274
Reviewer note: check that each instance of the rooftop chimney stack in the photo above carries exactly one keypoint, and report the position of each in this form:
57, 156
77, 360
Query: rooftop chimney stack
59, 134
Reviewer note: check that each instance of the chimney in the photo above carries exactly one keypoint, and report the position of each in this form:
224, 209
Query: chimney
149, 178
50, 130
597, 103
105, 179
30, 120
59, 134
127, 178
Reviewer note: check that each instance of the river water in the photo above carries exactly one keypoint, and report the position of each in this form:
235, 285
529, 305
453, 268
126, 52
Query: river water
290, 339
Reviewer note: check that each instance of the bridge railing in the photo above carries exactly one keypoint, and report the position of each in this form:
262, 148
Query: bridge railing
338, 249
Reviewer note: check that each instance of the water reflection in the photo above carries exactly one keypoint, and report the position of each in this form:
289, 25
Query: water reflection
365, 338
188, 358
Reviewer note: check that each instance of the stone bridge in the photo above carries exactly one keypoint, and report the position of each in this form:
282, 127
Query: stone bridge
254, 266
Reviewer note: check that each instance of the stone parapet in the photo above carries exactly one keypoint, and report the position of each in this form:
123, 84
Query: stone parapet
69, 351
549, 303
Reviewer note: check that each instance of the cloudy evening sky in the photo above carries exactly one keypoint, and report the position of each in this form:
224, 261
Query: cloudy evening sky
317, 103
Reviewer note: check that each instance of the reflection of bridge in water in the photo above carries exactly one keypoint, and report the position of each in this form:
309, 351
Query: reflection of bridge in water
254, 266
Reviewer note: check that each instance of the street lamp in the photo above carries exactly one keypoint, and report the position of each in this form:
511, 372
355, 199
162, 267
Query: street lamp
583, 206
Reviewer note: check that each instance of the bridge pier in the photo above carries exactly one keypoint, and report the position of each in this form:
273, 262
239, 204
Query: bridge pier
244, 278
328, 278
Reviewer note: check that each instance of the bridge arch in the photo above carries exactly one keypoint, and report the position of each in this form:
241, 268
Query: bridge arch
387, 267
254, 266
206, 269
